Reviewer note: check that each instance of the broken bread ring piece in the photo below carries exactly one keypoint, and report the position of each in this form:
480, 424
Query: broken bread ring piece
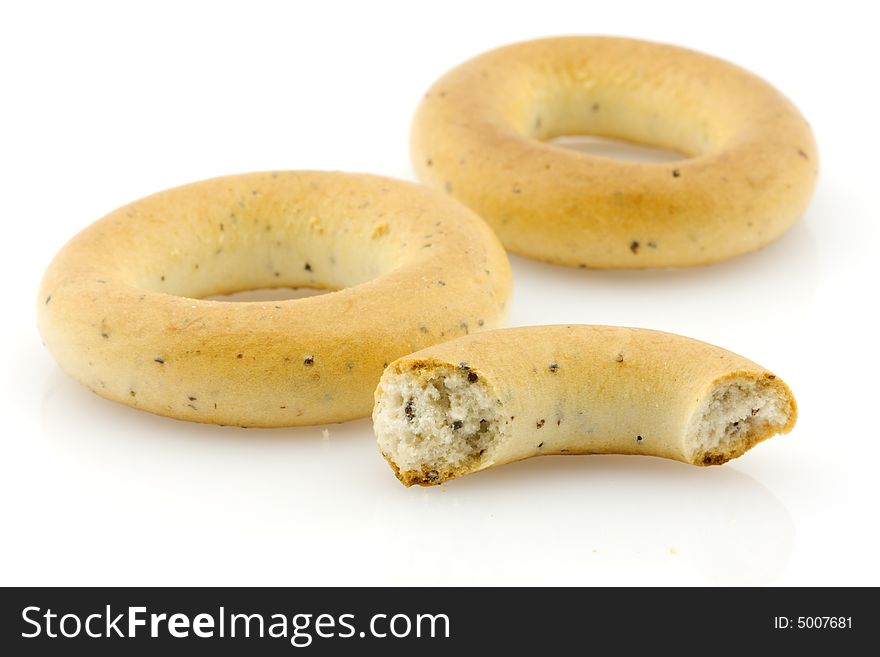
748, 167
506, 395
122, 307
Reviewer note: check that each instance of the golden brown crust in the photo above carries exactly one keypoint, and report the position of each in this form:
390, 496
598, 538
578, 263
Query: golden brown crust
426, 476
119, 307
481, 134
579, 389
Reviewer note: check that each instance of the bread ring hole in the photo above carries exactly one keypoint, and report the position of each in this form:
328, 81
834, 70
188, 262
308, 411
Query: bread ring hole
624, 121
257, 254
616, 149
270, 294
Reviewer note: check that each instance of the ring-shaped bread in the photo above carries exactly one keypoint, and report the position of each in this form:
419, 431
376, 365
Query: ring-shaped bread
481, 133
501, 396
122, 308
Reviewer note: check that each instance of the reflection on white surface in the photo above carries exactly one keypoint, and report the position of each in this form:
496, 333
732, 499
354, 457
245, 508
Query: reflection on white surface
589, 519
728, 299
294, 497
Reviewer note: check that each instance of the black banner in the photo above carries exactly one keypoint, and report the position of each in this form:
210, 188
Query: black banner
277, 621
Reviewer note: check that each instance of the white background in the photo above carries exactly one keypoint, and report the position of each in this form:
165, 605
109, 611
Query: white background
105, 103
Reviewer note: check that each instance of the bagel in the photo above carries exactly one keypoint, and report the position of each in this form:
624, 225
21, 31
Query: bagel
481, 134
505, 395
121, 306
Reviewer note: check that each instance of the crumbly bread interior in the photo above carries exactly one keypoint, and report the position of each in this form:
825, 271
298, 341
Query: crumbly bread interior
436, 423
738, 414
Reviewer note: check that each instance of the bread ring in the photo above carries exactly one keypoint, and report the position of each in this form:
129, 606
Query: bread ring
480, 133
506, 395
120, 306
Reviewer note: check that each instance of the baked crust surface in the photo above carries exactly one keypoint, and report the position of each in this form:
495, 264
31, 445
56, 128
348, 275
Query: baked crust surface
121, 306
582, 389
481, 134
